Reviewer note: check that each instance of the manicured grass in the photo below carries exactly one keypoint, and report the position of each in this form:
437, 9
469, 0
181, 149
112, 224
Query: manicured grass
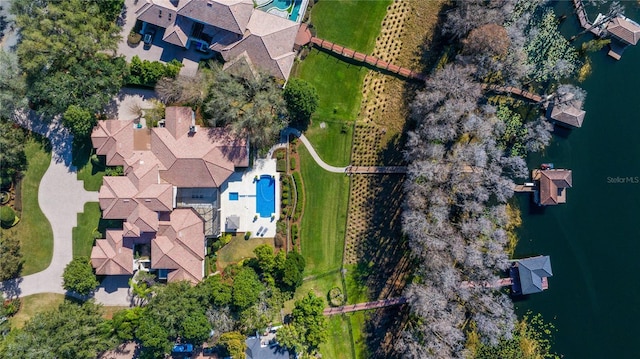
325, 215
33, 304
89, 221
239, 248
339, 85
33, 230
320, 286
351, 23
338, 344
333, 142
87, 172
357, 292
357, 328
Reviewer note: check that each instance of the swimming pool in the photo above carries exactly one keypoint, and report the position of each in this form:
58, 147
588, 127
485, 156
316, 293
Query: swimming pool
266, 196
282, 7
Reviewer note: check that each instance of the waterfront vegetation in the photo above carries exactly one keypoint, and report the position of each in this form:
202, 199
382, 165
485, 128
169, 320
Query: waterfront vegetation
33, 230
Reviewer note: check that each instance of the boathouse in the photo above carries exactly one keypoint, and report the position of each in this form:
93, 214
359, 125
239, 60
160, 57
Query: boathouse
551, 186
566, 110
529, 275
624, 30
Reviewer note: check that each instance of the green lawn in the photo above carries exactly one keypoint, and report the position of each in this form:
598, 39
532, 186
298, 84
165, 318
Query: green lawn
34, 230
239, 248
358, 320
338, 344
33, 304
89, 221
87, 172
339, 85
325, 215
351, 23
357, 292
333, 142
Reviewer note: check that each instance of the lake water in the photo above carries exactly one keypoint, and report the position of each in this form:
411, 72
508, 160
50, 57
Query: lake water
594, 239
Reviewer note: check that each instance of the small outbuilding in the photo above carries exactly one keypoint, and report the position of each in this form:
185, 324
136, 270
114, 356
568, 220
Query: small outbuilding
529, 275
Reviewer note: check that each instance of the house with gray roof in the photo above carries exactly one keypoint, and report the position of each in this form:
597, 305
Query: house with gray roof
259, 349
529, 275
232, 28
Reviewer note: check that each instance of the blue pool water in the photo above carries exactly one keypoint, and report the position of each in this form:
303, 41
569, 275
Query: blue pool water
266, 196
233, 196
285, 5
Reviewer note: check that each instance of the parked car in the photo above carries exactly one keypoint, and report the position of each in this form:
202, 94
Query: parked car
182, 348
148, 37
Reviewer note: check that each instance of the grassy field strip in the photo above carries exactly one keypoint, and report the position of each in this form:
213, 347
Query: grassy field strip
34, 230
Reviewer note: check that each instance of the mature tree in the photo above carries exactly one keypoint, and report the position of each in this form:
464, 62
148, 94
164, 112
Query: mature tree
141, 291
12, 157
64, 51
10, 258
12, 85
79, 120
214, 291
78, 276
147, 73
126, 322
293, 270
233, 344
301, 98
309, 325
265, 258
69, 331
174, 311
491, 39
184, 89
253, 106
246, 288
89, 85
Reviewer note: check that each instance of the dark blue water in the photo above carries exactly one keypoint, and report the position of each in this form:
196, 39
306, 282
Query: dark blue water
265, 196
594, 239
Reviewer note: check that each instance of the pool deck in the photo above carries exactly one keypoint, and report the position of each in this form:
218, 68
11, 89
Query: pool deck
245, 207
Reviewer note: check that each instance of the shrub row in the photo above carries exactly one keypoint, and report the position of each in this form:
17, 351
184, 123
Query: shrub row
147, 73
300, 193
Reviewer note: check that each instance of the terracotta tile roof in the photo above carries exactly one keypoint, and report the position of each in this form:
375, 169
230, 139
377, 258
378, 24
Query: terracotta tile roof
551, 182
568, 114
113, 255
144, 196
179, 246
624, 30
113, 139
177, 120
269, 44
157, 197
230, 15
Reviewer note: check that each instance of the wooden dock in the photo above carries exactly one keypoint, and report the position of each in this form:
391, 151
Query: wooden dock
502, 282
520, 188
365, 306
368, 59
514, 90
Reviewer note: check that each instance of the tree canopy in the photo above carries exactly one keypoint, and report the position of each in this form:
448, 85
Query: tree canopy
12, 156
69, 331
246, 288
78, 276
10, 257
12, 85
302, 100
308, 329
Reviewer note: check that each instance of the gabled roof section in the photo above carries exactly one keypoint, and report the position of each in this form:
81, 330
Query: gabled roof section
178, 119
551, 181
113, 255
568, 114
230, 15
624, 30
179, 246
175, 35
157, 197
531, 271
116, 197
162, 13
269, 44
113, 139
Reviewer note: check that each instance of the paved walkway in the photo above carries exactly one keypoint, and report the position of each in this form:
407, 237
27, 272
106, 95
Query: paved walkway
61, 197
292, 131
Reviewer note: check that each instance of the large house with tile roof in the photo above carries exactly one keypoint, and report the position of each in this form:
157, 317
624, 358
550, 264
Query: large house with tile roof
168, 197
233, 28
